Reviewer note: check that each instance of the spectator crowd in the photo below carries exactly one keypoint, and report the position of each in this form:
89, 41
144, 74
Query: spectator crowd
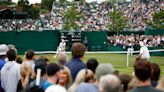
40, 75
94, 16
134, 40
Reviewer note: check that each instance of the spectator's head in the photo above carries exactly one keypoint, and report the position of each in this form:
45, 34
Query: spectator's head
65, 78
11, 46
11, 55
103, 69
52, 69
142, 70
41, 64
125, 79
43, 58
53, 72
3, 50
155, 72
78, 50
92, 64
116, 72
55, 88
84, 75
19, 60
61, 59
26, 70
110, 83
29, 55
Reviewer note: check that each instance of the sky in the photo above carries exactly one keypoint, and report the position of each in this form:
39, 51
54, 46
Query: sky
39, 1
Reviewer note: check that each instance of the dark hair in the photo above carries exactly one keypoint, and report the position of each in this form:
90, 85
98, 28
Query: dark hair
41, 64
125, 79
19, 60
52, 69
78, 50
11, 54
92, 64
30, 54
142, 70
43, 58
155, 72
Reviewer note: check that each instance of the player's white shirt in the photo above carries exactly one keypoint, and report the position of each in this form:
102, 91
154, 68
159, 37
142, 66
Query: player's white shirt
144, 52
61, 47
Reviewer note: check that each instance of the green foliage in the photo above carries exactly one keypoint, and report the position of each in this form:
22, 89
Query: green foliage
43, 11
6, 3
32, 11
71, 19
158, 20
47, 4
117, 20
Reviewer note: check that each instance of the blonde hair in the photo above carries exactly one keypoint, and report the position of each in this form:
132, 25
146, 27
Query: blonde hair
26, 72
84, 75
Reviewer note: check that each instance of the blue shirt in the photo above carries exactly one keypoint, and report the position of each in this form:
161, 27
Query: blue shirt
2, 62
75, 65
46, 85
87, 87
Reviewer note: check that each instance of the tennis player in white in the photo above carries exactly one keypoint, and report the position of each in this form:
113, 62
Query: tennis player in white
61, 48
144, 51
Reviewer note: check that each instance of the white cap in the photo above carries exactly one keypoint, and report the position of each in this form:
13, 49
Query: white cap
3, 49
55, 88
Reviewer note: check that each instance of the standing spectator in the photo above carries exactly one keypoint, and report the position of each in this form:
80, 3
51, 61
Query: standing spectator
10, 73
19, 60
53, 72
3, 51
92, 64
110, 83
25, 76
76, 63
143, 72
125, 79
155, 74
101, 70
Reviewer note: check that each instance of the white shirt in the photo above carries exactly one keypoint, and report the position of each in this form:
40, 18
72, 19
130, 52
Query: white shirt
144, 52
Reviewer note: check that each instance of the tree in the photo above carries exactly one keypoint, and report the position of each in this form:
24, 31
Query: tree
71, 19
6, 3
47, 4
32, 11
158, 20
117, 19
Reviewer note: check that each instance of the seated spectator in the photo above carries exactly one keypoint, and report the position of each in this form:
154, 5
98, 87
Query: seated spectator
143, 72
25, 77
10, 73
84, 75
101, 70
92, 64
155, 74
76, 63
160, 85
55, 88
125, 79
110, 83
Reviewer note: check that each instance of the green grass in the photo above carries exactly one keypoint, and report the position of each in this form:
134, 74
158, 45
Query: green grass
117, 60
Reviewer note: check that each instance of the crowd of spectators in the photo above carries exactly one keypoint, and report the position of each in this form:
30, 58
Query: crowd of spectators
134, 40
39, 75
94, 16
